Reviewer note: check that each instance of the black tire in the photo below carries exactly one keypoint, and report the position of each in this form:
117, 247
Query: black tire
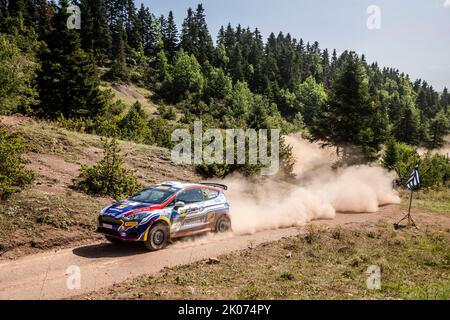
113, 239
223, 224
158, 237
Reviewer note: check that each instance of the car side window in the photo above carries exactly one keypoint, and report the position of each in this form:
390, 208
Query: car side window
210, 194
191, 196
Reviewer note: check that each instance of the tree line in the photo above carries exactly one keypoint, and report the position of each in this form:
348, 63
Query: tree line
240, 81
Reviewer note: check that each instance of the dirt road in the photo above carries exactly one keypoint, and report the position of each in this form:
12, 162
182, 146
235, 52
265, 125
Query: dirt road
45, 275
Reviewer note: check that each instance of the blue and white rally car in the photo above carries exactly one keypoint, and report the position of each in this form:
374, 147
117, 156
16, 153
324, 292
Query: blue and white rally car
166, 211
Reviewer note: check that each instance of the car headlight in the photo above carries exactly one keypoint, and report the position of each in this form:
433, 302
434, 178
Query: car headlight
138, 216
104, 209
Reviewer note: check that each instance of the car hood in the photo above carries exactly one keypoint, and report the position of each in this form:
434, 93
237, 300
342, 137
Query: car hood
125, 208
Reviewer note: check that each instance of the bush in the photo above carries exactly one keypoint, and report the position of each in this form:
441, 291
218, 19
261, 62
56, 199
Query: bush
167, 112
390, 156
402, 158
134, 125
13, 175
99, 125
434, 171
17, 92
108, 176
104, 124
161, 132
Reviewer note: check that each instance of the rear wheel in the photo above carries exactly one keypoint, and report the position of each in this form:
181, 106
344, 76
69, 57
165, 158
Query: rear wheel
157, 238
223, 224
113, 239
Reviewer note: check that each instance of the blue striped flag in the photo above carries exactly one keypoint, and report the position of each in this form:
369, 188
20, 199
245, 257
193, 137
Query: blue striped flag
413, 181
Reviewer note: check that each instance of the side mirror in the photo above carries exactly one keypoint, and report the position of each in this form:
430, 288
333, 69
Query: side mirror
179, 204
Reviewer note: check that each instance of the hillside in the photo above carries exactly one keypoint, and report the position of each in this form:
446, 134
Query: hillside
50, 213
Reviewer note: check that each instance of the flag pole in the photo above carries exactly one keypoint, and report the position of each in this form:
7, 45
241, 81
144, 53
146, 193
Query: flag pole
409, 208
408, 216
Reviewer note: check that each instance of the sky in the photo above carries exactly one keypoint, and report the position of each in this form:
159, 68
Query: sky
410, 35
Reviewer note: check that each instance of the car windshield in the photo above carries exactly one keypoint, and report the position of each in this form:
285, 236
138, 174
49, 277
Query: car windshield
153, 195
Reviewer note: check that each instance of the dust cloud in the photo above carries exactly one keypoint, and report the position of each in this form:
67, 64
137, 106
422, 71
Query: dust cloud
317, 193
444, 150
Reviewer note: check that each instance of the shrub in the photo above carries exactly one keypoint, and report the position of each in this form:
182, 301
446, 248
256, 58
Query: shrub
17, 69
104, 124
167, 112
390, 156
13, 175
134, 125
108, 176
100, 125
161, 132
407, 158
434, 171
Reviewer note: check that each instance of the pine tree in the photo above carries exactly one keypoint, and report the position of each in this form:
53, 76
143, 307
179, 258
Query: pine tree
131, 24
44, 14
439, 127
256, 60
352, 118
117, 11
17, 7
119, 70
108, 176
204, 41
445, 99
188, 33
195, 37
169, 34
148, 30
391, 155
67, 82
21, 13
407, 127
95, 33
134, 125
3, 14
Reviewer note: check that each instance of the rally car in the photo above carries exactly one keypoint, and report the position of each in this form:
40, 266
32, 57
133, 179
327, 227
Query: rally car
166, 211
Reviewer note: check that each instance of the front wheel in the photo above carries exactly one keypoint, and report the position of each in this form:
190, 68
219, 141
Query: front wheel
158, 237
223, 224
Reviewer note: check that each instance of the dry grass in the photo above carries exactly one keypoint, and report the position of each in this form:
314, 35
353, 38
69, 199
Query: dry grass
320, 264
434, 201
147, 104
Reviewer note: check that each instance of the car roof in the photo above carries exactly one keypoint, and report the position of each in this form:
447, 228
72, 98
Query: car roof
185, 185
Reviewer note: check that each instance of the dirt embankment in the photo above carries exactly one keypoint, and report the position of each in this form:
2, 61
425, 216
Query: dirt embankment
50, 214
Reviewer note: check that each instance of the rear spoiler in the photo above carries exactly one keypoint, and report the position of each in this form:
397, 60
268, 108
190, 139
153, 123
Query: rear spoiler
217, 185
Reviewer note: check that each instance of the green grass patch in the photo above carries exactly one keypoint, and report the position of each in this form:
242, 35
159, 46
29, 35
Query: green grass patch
435, 201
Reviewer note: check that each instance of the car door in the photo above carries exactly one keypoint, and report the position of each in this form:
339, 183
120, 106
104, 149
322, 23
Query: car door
192, 216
